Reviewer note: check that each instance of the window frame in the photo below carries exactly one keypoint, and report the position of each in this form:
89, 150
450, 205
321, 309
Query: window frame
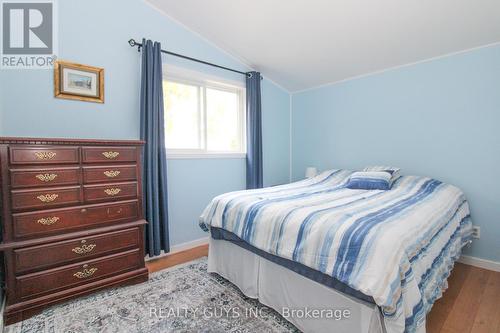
205, 81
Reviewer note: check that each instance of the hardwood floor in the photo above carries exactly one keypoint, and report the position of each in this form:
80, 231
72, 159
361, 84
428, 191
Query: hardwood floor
470, 305
176, 258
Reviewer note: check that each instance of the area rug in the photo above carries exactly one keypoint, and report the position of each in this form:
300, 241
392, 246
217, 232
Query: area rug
184, 298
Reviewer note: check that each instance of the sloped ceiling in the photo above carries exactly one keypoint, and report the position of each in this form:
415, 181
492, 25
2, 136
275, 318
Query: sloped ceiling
303, 44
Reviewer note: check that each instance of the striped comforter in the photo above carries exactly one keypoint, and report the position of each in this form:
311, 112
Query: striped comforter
397, 246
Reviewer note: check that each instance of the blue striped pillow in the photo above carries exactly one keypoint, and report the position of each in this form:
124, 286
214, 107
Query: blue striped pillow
395, 172
370, 180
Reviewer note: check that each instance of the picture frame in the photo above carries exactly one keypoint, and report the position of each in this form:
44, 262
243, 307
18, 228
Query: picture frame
78, 82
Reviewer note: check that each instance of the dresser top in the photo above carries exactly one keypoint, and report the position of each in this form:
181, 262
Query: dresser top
64, 141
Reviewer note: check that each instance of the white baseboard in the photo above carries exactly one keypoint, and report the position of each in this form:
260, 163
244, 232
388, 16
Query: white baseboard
468, 260
189, 245
181, 247
482, 263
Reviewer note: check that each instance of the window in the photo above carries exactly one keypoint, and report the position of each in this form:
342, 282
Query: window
203, 117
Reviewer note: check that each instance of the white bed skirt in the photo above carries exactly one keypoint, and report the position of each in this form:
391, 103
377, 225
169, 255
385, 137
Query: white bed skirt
291, 294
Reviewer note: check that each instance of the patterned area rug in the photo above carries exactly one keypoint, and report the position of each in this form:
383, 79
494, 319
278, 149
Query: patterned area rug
184, 298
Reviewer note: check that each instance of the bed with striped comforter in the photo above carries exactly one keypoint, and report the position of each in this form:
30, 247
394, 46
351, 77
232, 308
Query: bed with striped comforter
397, 246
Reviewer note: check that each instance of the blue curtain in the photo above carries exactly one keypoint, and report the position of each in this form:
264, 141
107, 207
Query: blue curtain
254, 131
154, 157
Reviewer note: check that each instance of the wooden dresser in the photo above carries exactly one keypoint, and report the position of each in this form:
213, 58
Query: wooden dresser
72, 220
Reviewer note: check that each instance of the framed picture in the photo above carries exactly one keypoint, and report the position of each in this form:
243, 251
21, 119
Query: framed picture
78, 82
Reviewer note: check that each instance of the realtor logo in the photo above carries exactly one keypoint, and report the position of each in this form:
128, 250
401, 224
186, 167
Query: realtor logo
28, 34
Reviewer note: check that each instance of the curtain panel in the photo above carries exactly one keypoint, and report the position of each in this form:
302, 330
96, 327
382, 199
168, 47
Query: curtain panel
154, 156
254, 131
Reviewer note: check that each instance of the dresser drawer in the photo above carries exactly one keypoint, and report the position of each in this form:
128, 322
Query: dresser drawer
43, 155
92, 174
109, 154
117, 191
50, 281
54, 254
47, 197
42, 177
57, 221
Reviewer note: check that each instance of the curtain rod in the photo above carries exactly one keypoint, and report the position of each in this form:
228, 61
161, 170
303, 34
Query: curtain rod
133, 43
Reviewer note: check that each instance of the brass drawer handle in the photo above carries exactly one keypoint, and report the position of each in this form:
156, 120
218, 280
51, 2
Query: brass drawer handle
111, 173
85, 248
47, 197
48, 220
86, 272
45, 155
112, 191
46, 177
111, 154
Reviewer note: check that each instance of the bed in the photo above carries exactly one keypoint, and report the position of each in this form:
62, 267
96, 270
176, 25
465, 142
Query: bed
384, 255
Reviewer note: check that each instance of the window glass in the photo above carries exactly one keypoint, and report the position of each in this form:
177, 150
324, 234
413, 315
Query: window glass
223, 129
203, 118
182, 116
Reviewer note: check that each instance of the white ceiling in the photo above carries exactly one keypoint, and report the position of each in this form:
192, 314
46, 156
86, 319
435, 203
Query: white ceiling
302, 44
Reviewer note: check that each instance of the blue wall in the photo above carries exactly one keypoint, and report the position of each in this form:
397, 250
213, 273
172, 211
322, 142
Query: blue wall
439, 118
96, 32
1, 103
275, 134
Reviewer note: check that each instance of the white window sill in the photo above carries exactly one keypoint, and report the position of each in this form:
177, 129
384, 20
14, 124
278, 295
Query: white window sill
182, 156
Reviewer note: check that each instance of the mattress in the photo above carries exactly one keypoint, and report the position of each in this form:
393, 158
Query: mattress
396, 246
285, 291
311, 274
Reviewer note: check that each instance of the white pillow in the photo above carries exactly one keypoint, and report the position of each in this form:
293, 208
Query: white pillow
395, 172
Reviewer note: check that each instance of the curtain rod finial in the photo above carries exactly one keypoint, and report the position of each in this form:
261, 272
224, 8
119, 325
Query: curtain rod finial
131, 42
250, 74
